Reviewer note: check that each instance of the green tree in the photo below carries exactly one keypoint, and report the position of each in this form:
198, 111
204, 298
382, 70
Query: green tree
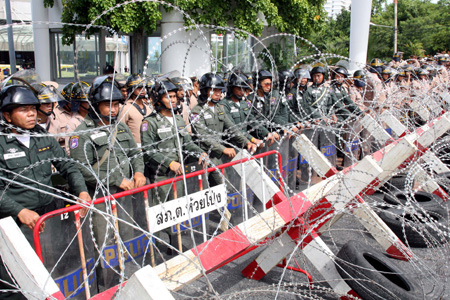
299, 17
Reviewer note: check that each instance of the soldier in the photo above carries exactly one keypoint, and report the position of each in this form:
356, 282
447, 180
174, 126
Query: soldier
237, 107
114, 163
301, 80
209, 121
47, 96
346, 106
159, 133
101, 116
397, 60
137, 106
25, 167
264, 106
184, 93
64, 112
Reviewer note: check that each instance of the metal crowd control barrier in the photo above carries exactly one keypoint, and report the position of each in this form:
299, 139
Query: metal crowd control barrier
81, 274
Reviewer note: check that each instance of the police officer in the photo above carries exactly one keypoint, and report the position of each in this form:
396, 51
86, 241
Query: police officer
137, 105
115, 162
209, 121
264, 107
348, 107
159, 133
101, 116
25, 166
237, 108
66, 110
47, 96
295, 96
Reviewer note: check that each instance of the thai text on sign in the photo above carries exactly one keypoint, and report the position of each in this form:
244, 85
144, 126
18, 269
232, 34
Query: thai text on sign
181, 209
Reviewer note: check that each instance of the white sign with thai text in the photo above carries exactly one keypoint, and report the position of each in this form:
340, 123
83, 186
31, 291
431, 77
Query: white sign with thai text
181, 209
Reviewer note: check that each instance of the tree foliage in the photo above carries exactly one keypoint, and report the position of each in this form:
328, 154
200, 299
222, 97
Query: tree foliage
299, 17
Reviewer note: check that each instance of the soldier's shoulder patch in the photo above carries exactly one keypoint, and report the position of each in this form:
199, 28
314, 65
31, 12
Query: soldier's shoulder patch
195, 118
73, 143
144, 126
273, 100
249, 103
221, 113
290, 96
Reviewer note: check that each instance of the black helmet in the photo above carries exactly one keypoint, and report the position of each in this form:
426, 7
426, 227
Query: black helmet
359, 78
238, 80
13, 96
108, 69
163, 88
66, 93
105, 89
134, 81
388, 71
401, 72
47, 93
318, 69
262, 74
80, 92
441, 59
341, 70
182, 83
376, 62
301, 73
285, 78
209, 80
422, 72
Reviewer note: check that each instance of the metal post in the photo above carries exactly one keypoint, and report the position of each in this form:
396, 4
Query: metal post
395, 25
12, 52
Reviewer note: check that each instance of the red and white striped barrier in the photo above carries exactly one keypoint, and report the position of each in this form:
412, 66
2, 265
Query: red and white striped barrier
23, 263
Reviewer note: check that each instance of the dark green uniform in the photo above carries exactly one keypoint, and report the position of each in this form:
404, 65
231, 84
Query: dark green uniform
296, 103
319, 102
34, 166
89, 147
239, 113
348, 107
28, 171
209, 127
270, 111
158, 133
125, 159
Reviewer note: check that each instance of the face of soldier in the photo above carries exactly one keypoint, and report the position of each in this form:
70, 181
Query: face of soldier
215, 94
238, 92
266, 85
180, 94
385, 76
317, 78
140, 91
106, 108
339, 78
303, 81
24, 116
46, 107
124, 93
169, 101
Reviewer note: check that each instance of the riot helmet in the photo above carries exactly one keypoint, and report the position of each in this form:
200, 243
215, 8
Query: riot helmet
285, 78
237, 80
136, 81
359, 78
103, 89
339, 70
80, 93
14, 96
376, 66
318, 70
210, 81
161, 89
66, 92
300, 74
397, 56
47, 94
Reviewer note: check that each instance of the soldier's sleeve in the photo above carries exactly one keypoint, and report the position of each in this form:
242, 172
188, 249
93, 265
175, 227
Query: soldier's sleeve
281, 116
255, 126
307, 106
189, 144
149, 142
209, 139
68, 170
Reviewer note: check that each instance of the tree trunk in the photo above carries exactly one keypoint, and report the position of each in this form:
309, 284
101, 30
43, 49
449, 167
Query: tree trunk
138, 51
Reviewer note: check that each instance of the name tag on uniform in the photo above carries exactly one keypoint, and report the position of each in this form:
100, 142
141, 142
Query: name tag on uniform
207, 116
13, 155
162, 130
97, 135
234, 109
